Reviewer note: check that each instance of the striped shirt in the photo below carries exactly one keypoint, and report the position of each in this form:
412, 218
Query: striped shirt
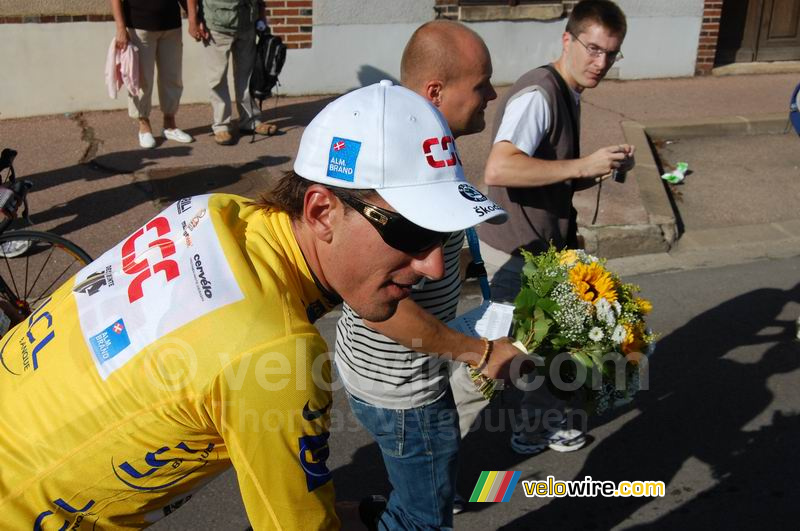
381, 372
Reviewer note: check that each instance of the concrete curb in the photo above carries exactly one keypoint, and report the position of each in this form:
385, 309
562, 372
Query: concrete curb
660, 234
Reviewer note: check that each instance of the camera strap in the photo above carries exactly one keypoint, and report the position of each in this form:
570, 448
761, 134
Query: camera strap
569, 100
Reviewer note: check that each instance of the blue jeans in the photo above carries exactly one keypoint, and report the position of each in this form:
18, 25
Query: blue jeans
420, 452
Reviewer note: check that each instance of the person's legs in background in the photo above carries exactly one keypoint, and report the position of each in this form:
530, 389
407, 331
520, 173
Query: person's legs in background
244, 56
169, 61
217, 51
420, 452
139, 105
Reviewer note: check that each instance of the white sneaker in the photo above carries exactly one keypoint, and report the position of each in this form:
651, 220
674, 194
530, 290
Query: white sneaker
459, 504
566, 440
14, 248
147, 141
178, 136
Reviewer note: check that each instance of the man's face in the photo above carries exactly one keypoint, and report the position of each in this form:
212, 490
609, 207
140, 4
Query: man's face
585, 70
371, 276
465, 96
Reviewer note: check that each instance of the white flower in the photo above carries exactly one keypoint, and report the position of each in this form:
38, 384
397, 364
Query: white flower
618, 335
617, 308
604, 312
595, 334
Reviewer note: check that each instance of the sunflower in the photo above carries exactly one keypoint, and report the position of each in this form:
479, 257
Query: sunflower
643, 305
568, 257
592, 282
634, 340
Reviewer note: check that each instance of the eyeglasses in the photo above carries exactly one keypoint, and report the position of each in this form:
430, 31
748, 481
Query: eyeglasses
396, 230
596, 51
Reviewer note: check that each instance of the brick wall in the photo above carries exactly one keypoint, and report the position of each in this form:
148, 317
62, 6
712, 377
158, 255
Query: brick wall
446, 9
709, 33
292, 20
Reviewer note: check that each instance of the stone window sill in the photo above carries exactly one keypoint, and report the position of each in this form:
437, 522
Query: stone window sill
549, 11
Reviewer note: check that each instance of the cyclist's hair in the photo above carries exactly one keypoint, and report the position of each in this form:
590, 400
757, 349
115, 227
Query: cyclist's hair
288, 195
602, 12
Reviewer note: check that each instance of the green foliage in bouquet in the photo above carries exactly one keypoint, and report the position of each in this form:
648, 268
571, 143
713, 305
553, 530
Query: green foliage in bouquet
574, 313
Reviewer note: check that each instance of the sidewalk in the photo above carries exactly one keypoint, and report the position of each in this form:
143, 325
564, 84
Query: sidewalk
93, 183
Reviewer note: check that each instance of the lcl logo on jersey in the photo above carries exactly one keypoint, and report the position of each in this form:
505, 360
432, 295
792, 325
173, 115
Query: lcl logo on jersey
446, 150
157, 473
66, 508
27, 347
314, 453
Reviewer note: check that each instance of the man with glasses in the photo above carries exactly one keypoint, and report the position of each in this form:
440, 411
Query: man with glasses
533, 170
396, 372
189, 347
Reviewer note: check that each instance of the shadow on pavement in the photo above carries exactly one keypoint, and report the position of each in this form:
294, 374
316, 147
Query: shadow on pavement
363, 475
294, 115
160, 186
707, 400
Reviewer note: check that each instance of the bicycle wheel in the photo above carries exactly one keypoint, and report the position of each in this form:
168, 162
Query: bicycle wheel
33, 264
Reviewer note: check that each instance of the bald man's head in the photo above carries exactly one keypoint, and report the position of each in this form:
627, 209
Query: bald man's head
449, 64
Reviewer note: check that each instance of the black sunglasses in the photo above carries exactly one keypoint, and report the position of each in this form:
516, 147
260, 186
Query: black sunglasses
396, 230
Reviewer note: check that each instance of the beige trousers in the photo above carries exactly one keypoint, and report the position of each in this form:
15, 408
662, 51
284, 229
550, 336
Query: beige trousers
162, 49
242, 46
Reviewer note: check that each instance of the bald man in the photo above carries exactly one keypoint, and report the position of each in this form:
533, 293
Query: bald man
396, 372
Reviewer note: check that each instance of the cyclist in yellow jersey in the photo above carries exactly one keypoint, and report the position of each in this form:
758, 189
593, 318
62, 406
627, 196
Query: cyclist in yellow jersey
189, 346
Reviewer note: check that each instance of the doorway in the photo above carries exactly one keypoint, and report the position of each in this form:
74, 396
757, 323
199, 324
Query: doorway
758, 30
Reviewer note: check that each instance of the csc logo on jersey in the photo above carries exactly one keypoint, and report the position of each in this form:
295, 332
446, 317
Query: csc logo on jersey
140, 266
20, 352
447, 149
156, 473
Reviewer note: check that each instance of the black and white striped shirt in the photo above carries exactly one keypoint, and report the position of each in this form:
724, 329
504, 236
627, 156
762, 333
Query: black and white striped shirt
376, 369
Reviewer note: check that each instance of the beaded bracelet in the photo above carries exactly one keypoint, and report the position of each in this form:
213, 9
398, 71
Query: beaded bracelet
489, 346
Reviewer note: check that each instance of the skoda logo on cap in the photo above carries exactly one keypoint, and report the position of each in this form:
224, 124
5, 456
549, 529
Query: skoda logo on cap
471, 193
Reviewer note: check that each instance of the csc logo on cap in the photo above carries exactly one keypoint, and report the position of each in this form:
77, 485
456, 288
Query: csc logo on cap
448, 148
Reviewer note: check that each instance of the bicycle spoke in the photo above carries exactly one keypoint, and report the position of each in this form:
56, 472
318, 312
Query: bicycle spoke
53, 284
47, 260
27, 292
11, 275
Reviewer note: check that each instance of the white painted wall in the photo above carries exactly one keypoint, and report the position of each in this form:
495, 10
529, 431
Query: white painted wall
55, 68
355, 12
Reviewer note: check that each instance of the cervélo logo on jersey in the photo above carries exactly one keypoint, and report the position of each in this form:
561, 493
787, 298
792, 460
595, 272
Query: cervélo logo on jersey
166, 274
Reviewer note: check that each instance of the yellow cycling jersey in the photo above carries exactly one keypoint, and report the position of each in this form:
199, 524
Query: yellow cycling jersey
184, 349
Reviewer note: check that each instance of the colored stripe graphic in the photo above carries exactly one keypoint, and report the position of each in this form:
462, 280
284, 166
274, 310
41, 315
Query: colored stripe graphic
494, 486
487, 486
512, 482
478, 487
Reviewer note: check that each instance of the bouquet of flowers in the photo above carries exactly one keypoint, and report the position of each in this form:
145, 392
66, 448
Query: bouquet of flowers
585, 324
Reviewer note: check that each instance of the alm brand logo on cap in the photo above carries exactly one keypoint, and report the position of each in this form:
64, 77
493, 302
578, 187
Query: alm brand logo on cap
342, 158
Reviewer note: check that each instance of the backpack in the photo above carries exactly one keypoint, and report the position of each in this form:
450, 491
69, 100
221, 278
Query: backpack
270, 56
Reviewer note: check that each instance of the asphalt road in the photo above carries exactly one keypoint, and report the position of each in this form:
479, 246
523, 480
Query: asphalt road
719, 424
